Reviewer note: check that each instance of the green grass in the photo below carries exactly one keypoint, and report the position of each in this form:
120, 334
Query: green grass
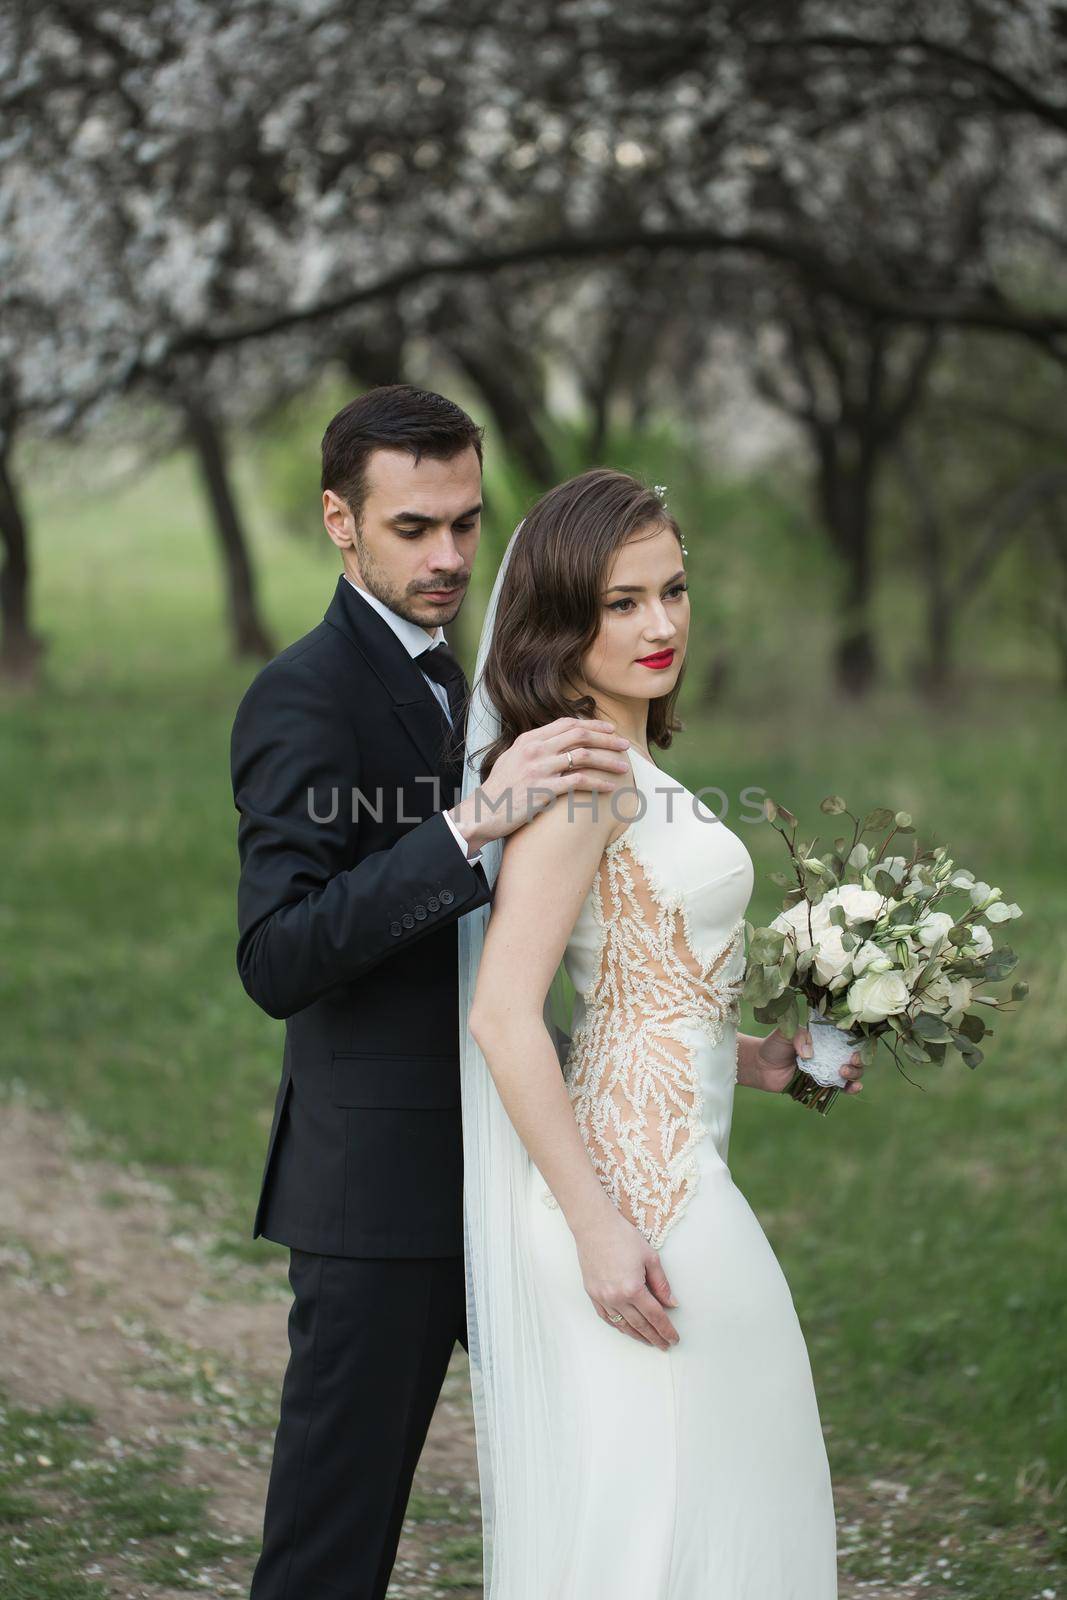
918, 1228
72, 1504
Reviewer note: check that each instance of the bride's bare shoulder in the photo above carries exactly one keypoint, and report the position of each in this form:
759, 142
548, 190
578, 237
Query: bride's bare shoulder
575, 827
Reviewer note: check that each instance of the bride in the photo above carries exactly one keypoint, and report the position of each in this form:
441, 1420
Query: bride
647, 1424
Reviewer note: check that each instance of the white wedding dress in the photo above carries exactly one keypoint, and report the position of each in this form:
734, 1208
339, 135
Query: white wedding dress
698, 1473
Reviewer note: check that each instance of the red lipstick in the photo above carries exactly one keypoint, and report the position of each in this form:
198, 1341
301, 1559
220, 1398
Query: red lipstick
658, 662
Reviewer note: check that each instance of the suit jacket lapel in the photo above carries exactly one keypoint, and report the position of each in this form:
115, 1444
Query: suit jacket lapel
413, 699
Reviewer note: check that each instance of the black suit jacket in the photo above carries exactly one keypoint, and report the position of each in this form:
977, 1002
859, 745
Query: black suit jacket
347, 930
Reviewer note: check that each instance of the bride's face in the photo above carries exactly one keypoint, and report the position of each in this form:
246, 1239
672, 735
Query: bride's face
644, 628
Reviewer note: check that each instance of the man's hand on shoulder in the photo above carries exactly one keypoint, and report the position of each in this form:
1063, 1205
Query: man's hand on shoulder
534, 771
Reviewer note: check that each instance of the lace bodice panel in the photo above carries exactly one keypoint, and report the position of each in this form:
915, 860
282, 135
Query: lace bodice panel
657, 959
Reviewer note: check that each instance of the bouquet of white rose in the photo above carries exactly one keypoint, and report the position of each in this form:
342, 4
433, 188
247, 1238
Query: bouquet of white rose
863, 950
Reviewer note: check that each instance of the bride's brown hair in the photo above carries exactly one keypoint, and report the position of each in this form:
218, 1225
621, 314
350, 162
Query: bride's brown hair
550, 607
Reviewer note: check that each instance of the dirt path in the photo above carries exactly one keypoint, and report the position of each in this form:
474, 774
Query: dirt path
108, 1299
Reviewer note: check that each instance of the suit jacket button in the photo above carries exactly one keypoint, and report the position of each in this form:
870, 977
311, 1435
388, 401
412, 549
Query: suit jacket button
420, 913
433, 904
447, 897
408, 920
395, 929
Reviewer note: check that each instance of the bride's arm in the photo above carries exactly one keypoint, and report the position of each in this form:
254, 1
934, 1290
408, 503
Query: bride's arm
547, 870
545, 874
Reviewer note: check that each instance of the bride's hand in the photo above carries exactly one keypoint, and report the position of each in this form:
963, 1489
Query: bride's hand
622, 1273
776, 1061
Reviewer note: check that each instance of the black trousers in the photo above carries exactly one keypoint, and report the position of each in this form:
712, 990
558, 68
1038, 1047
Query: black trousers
370, 1342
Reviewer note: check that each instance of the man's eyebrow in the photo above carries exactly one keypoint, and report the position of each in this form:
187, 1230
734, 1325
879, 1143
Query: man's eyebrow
428, 522
636, 588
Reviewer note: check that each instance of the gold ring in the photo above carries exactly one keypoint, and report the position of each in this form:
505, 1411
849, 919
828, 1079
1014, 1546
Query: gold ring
570, 759
614, 1316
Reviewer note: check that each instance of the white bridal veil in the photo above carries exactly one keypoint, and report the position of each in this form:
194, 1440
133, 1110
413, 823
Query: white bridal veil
517, 1426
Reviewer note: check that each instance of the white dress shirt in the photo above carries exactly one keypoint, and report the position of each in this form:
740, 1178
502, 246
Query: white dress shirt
413, 637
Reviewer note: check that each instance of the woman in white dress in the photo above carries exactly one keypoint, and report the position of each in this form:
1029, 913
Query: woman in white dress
647, 1422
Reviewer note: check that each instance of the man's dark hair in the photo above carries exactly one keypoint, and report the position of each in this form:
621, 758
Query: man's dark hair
394, 416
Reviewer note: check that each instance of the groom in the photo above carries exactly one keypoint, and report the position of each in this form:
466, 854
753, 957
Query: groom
355, 866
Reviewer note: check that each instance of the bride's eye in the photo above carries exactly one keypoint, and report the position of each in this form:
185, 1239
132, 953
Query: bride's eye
675, 590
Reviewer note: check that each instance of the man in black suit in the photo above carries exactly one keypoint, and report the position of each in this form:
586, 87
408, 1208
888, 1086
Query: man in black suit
356, 862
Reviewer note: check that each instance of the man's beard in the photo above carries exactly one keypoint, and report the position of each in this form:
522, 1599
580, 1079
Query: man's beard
402, 601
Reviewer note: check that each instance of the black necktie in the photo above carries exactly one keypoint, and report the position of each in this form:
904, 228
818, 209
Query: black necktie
441, 665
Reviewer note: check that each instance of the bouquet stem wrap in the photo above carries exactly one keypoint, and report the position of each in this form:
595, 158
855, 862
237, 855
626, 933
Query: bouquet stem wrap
818, 1080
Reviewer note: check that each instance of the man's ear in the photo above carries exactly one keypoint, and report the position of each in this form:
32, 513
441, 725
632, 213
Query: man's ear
337, 519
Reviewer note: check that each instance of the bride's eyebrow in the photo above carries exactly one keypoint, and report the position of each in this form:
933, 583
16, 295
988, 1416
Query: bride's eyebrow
637, 588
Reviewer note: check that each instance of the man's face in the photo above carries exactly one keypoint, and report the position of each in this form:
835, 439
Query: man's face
414, 545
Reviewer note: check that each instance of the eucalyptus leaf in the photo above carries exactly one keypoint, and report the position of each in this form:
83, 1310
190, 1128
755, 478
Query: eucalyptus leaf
881, 817
999, 963
779, 1005
767, 945
931, 1029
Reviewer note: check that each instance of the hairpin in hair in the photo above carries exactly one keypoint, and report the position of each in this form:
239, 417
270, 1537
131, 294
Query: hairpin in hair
660, 492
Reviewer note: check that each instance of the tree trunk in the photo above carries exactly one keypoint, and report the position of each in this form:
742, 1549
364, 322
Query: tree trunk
1057, 539
20, 648
934, 672
845, 490
249, 635
376, 357
492, 373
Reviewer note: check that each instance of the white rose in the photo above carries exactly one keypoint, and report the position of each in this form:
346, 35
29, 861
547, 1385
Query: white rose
877, 995
948, 998
981, 939
795, 922
858, 904
933, 927
831, 957
936, 995
960, 993
999, 912
894, 865
872, 956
